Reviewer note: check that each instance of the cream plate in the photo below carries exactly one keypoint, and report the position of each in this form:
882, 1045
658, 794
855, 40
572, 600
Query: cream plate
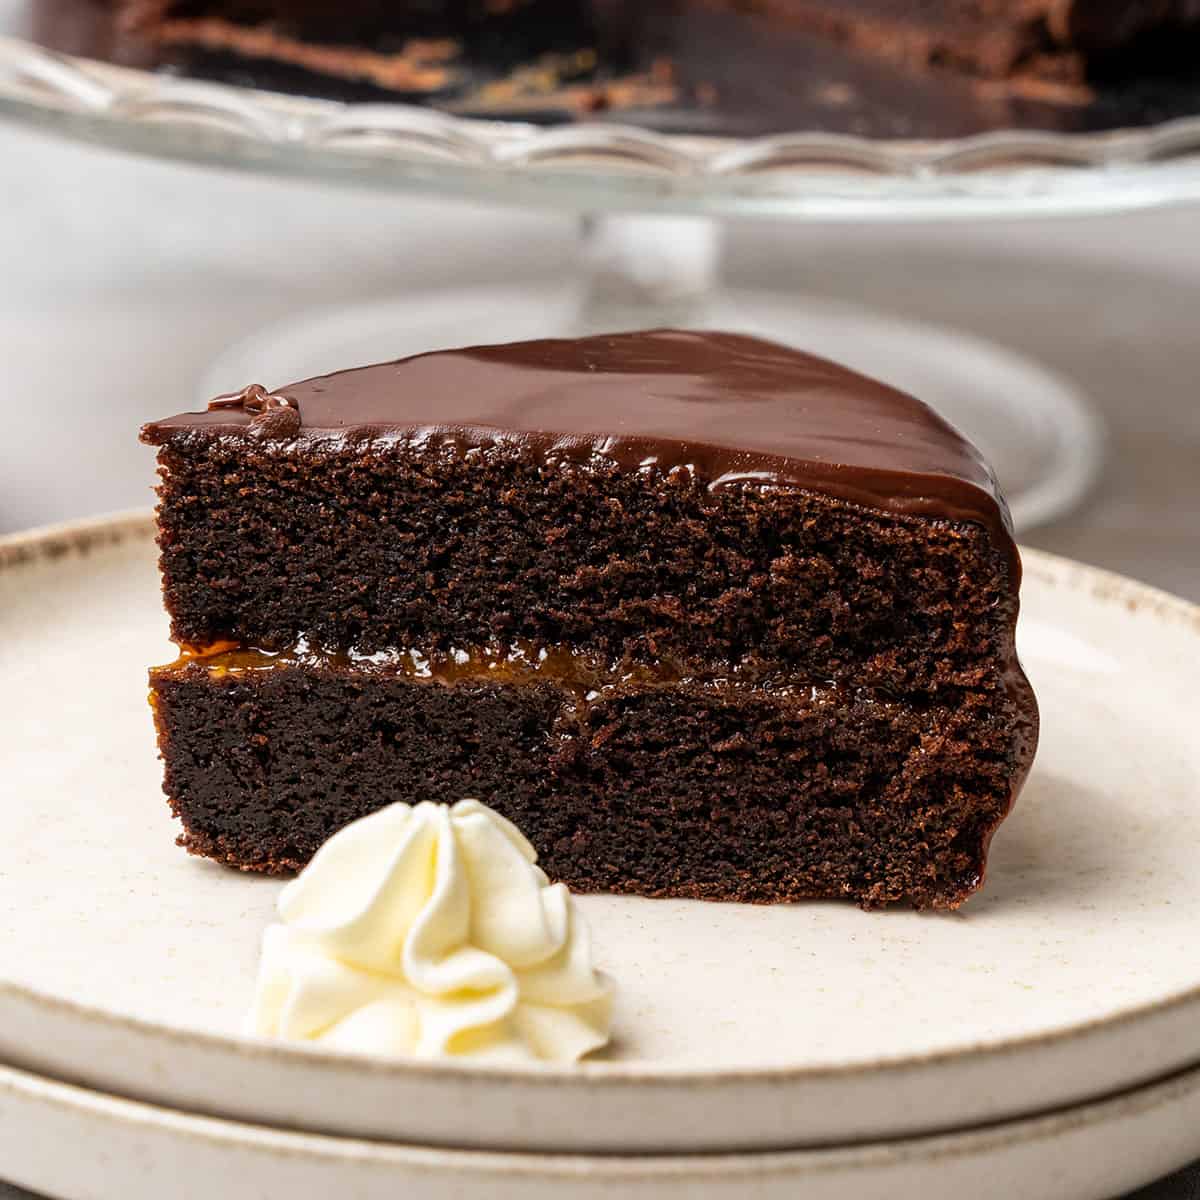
128, 966
121, 1150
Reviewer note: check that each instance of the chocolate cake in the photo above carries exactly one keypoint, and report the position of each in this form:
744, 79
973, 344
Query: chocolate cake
413, 46
993, 38
705, 616
1050, 39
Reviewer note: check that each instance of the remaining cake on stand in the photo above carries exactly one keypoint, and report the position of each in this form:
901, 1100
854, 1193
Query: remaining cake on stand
1049, 39
703, 615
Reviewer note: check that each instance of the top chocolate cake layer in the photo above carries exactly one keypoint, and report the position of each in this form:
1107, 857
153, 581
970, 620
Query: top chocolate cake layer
727, 408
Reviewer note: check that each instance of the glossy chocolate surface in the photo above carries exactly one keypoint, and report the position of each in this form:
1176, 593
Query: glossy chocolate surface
727, 409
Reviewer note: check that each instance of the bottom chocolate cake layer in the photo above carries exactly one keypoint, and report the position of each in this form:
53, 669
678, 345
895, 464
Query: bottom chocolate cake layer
725, 789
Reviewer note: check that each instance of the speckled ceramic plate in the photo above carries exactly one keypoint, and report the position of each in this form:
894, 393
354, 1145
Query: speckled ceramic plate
127, 966
121, 1150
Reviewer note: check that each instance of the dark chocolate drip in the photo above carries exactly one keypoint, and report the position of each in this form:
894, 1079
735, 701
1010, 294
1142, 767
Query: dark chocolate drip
272, 416
727, 409
253, 399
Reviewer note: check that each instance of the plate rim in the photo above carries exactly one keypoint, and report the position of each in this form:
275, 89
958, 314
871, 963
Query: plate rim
1107, 587
879, 1152
804, 173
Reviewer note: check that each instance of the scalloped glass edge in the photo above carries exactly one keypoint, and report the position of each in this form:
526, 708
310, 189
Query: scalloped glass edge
599, 166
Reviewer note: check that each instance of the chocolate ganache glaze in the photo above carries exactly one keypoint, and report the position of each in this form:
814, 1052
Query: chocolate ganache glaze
728, 408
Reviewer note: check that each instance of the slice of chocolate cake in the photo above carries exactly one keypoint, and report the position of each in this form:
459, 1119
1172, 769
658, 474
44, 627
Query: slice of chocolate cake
703, 615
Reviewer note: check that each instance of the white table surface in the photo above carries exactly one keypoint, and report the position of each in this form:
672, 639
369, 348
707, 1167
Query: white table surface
121, 279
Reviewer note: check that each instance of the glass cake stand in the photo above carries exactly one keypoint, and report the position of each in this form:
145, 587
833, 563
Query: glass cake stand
649, 204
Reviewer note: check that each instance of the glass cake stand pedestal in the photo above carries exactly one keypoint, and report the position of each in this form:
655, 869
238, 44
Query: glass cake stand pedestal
650, 207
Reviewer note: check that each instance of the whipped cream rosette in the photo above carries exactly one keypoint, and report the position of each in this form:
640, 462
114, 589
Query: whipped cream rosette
431, 931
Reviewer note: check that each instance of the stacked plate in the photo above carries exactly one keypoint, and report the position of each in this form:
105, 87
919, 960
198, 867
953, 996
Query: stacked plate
1042, 1042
